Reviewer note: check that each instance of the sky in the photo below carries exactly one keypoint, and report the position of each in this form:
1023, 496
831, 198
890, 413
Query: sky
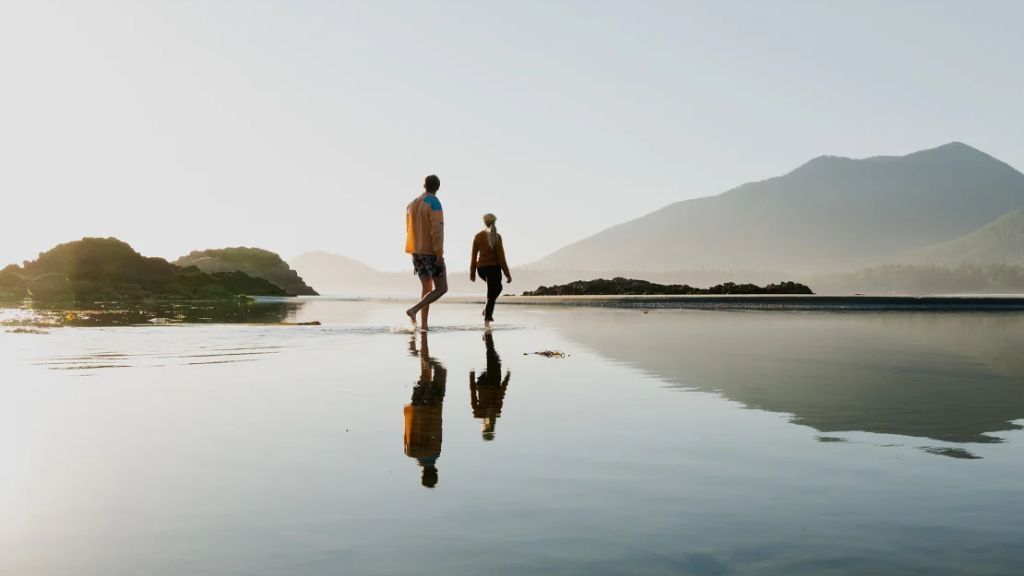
305, 125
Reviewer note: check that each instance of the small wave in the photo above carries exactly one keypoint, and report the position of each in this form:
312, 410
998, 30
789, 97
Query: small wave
223, 355
90, 366
232, 361
101, 360
408, 329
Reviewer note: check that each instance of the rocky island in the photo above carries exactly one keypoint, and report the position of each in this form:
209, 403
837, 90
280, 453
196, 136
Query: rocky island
632, 287
107, 270
252, 261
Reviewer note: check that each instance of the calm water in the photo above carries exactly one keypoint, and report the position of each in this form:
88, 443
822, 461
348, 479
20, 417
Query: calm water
672, 442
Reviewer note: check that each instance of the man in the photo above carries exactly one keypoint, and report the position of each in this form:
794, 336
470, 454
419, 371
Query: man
424, 239
423, 414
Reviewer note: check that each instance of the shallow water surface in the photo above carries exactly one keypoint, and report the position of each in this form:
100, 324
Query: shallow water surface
664, 442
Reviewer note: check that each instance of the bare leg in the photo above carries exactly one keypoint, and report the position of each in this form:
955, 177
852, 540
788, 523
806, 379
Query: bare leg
428, 287
426, 284
440, 287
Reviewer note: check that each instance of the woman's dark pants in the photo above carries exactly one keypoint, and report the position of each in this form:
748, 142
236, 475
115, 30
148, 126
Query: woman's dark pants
492, 274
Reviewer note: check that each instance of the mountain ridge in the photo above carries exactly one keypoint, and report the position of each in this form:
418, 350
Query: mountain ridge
829, 213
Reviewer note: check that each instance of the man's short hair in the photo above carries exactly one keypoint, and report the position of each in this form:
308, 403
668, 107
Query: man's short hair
431, 183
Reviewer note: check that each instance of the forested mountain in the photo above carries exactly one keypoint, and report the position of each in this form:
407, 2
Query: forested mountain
997, 243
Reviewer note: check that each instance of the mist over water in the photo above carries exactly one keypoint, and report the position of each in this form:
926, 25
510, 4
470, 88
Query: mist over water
672, 441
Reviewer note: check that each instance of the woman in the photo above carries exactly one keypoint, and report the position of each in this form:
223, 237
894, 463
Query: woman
489, 259
487, 392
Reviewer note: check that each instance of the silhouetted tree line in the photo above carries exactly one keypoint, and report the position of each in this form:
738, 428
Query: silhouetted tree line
633, 287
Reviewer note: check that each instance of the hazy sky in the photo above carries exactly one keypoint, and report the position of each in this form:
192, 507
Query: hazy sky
301, 125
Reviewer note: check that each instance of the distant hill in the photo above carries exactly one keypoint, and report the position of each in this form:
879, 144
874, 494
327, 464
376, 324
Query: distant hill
254, 262
830, 214
997, 243
916, 280
337, 274
107, 269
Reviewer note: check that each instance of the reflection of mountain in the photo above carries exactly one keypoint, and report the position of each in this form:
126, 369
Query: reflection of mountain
951, 377
127, 314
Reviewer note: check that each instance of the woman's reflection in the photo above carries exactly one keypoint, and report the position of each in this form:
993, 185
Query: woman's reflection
487, 393
423, 413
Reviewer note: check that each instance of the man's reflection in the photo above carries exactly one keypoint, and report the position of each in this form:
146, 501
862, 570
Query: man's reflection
423, 413
487, 393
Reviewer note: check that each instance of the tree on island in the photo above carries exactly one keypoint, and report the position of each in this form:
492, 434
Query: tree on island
107, 269
254, 262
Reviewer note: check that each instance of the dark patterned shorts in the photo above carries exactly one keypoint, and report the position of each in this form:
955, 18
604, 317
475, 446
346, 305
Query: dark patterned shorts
426, 266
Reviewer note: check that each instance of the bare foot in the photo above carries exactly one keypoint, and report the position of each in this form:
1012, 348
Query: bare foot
412, 316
